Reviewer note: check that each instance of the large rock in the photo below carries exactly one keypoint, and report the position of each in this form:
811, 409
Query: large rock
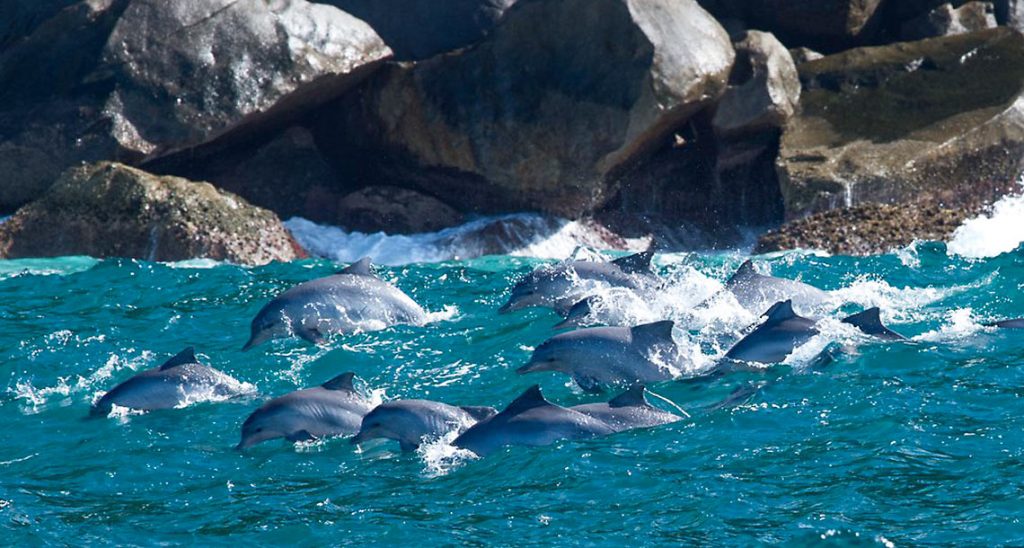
562, 94
946, 20
867, 229
395, 210
18, 18
939, 120
764, 87
189, 71
418, 29
112, 210
827, 24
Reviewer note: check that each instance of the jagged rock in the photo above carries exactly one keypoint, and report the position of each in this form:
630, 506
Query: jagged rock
764, 87
866, 230
418, 29
562, 94
112, 210
190, 71
803, 55
830, 25
946, 20
395, 211
18, 18
939, 119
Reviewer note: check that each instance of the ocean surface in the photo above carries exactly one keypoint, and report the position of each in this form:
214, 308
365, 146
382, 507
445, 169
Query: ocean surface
900, 444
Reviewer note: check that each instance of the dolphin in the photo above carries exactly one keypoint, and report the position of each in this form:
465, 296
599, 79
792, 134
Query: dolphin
530, 420
755, 291
627, 411
561, 286
409, 422
178, 381
352, 300
1008, 324
334, 408
870, 322
580, 314
776, 338
600, 356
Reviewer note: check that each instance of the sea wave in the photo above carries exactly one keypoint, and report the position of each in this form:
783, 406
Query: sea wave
993, 234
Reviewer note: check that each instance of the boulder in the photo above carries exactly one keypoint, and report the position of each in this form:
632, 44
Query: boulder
938, 120
561, 95
188, 72
419, 29
18, 18
112, 210
803, 55
395, 211
764, 87
867, 229
946, 20
830, 25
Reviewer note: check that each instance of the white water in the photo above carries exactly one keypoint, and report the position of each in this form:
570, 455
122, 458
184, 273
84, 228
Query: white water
993, 234
524, 235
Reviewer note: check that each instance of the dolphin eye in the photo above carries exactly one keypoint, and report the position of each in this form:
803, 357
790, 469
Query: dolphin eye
260, 429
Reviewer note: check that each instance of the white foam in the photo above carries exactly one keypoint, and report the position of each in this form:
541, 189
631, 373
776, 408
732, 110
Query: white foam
523, 235
960, 324
991, 235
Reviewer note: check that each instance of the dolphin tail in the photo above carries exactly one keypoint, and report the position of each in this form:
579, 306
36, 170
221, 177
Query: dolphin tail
870, 322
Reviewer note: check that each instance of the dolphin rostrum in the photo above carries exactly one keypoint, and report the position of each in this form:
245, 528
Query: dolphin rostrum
334, 408
755, 291
180, 380
410, 422
627, 411
602, 356
530, 420
561, 286
355, 299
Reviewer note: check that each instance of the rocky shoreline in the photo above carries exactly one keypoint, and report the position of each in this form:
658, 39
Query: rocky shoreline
851, 125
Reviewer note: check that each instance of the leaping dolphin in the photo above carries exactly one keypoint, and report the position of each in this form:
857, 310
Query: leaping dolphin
533, 421
755, 291
627, 411
409, 422
334, 408
355, 299
180, 380
561, 286
776, 338
596, 357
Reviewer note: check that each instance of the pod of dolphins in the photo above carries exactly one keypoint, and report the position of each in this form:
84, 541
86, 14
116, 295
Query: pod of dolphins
595, 358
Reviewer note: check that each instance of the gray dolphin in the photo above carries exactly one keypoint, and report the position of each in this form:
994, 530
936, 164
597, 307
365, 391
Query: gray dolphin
580, 314
627, 411
176, 382
561, 286
334, 408
530, 420
353, 300
1008, 324
410, 421
755, 291
870, 322
776, 338
601, 356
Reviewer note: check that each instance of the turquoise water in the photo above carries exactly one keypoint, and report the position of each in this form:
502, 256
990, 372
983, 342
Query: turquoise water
914, 443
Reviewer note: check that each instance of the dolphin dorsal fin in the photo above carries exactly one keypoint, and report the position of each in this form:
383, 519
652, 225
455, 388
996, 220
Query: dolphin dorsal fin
583, 307
745, 270
362, 267
780, 312
870, 322
660, 331
639, 263
636, 396
341, 382
184, 357
528, 400
479, 413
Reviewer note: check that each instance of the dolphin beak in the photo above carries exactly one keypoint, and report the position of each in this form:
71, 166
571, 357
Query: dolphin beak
528, 368
241, 446
248, 345
565, 324
506, 308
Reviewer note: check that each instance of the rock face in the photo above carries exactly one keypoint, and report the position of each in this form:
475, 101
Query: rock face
18, 18
112, 210
939, 120
764, 87
418, 29
395, 210
181, 83
946, 20
536, 117
826, 24
867, 229
131, 80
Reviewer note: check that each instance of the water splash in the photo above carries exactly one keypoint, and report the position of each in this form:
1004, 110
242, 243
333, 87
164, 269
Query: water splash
991, 235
